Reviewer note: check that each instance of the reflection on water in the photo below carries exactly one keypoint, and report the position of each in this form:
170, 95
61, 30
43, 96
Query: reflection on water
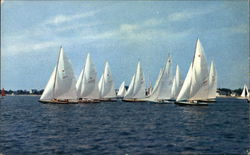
27, 126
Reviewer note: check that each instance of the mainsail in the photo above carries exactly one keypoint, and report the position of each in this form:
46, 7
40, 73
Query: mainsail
163, 85
177, 83
62, 82
87, 84
106, 84
137, 86
245, 92
129, 93
212, 82
122, 90
195, 86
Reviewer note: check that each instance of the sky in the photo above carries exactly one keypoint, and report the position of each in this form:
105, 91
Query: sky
122, 33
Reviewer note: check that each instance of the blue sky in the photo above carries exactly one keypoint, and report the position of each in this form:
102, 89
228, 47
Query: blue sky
122, 33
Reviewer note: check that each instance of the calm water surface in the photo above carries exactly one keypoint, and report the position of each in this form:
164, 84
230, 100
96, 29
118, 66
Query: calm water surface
29, 127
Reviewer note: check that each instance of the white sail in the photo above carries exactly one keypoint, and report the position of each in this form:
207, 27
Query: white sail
140, 85
177, 83
129, 93
196, 86
106, 86
185, 89
137, 85
163, 85
79, 83
154, 94
212, 82
48, 91
166, 81
100, 85
122, 90
62, 83
199, 87
89, 87
245, 92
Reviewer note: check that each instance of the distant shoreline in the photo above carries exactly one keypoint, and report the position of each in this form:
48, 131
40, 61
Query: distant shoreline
22, 95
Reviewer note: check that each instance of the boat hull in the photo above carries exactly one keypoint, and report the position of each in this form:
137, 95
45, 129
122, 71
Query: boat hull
57, 102
163, 101
89, 101
208, 101
133, 100
108, 100
186, 103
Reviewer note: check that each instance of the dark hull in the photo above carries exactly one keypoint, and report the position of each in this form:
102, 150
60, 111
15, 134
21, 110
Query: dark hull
191, 103
208, 101
57, 102
108, 100
88, 101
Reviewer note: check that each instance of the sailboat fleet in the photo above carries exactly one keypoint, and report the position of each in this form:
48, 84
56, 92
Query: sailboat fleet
198, 87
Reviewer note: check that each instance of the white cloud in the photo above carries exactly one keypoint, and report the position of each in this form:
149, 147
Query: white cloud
24, 47
231, 30
243, 28
186, 14
59, 19
153, 22
52, 36
128, 27
75, 27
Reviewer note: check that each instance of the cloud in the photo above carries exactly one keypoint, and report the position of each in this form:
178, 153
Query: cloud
186, 14
24, 47
153, 22
51, 36
76, 27
128, 27
59, 19
231, 30
243, 28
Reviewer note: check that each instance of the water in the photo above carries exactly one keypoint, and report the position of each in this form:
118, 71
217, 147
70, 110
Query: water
29, 127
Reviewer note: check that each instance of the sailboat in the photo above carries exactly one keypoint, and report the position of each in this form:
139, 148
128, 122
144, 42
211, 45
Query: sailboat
106, 85
61, 85
137, 86
86, 86
162, 89
212, 84
177, 83
245, 93
122, 90
195, 87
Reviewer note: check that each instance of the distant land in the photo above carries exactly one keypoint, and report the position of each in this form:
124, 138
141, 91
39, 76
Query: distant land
220, 91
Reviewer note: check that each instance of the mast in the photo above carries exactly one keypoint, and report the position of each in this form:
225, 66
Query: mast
54, 85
